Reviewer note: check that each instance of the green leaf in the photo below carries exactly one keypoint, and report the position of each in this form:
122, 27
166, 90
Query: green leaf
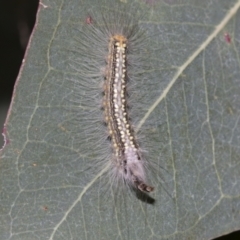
50, 187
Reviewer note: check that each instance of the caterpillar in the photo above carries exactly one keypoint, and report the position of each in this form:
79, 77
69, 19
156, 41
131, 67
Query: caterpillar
113, 46
127, 161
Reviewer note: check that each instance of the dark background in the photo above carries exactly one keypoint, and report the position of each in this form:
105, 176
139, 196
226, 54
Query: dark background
17, 19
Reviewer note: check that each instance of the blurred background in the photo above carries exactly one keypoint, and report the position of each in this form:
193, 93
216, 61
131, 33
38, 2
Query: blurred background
17, 19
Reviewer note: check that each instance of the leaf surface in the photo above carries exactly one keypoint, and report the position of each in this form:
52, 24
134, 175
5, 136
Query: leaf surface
190, 125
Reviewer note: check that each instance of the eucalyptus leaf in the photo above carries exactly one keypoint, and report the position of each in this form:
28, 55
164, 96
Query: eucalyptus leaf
48, 191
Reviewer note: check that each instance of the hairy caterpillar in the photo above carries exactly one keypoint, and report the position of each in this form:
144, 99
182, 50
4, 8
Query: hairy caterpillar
127, 161
113, 47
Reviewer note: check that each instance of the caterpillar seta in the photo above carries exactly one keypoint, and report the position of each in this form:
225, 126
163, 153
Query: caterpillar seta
111, 68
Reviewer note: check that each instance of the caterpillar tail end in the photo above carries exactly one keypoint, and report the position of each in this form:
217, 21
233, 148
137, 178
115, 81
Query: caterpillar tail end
144, 187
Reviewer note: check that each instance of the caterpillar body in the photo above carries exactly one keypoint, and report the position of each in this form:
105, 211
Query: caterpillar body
128, 163
112, 74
